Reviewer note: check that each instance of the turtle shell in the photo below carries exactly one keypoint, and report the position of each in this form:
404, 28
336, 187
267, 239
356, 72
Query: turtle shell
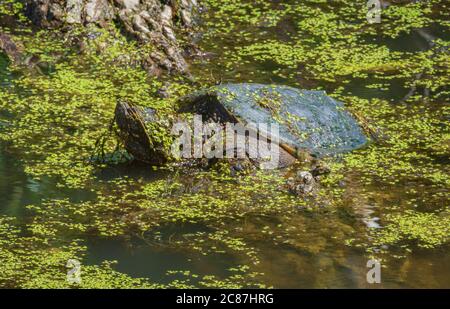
308, 120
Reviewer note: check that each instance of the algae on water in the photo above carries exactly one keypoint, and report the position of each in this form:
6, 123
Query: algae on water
388, 200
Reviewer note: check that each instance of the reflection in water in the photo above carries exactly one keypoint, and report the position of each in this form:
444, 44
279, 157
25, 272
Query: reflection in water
5, 75
142, 259
136, 258
16, 189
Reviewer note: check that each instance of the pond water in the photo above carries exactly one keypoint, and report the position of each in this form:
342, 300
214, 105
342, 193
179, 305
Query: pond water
312, 252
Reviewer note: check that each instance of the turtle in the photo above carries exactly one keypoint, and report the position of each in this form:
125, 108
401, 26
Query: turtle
310, 122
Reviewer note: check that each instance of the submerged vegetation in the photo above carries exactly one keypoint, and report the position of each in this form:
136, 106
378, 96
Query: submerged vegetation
51, 119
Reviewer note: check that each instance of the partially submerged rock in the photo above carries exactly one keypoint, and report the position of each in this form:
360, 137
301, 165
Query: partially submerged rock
302, 184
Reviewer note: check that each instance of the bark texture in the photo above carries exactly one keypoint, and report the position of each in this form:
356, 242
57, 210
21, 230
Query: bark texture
149, 21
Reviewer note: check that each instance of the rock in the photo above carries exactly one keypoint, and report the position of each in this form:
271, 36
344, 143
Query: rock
168, 32
98, 10
302, 184
55, 12
186, 17
130, 4
151, 23
188, 4
152, 67
74, 10
45, 13
166, 15
140, 24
